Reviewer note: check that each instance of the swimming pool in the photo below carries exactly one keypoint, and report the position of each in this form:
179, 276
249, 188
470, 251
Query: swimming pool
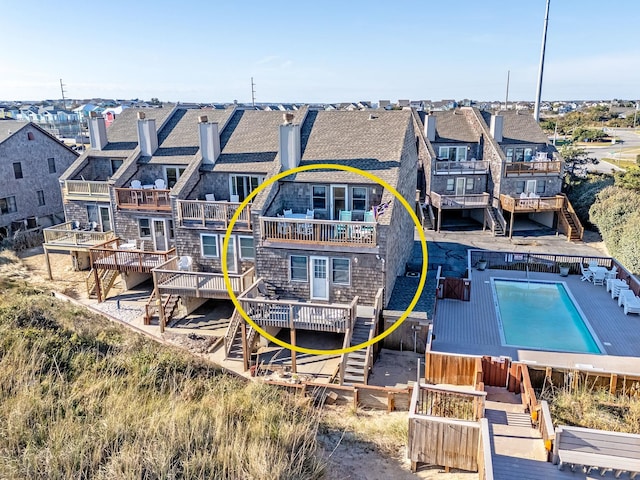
541, 316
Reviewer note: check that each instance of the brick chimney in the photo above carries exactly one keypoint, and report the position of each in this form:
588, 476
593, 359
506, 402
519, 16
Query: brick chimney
430, 127
147, 135
289, 150
209, 140
97, 131
496, 128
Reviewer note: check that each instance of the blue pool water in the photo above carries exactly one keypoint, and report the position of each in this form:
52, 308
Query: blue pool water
541, 316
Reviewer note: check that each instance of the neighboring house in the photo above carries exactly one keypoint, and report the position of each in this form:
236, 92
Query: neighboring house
31, 160
161, 188
493, 169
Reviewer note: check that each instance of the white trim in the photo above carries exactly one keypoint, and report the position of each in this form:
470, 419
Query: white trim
291, 279
332, 187
326, 197
215, 236
232, 244
348, 271
240, 237
312, 259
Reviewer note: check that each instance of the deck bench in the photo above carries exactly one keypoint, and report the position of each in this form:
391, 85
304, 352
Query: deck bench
597, 449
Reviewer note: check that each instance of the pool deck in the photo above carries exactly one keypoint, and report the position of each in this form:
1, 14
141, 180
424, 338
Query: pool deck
471, 327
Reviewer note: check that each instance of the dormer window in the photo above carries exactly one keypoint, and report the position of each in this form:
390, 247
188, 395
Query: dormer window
453, 154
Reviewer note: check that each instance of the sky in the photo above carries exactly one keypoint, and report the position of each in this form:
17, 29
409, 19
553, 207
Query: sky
318, 51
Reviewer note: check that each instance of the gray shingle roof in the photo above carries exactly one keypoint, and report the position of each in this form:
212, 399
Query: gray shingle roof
518, 128
452, 126
7, 126
122, 134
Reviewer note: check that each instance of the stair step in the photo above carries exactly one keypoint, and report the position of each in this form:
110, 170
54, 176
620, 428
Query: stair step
357, 358
354, 378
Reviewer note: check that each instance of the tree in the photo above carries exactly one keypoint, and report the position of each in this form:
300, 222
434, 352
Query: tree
629, 180
154, 101
571, 153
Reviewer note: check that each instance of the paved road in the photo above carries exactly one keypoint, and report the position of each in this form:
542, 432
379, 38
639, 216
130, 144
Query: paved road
630, 140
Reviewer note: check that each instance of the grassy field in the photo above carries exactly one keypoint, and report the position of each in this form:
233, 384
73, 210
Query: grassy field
83, 398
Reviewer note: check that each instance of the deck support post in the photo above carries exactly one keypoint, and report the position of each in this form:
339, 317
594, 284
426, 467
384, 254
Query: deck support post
439, 218
612, 384
292, 332
48, 263
245, 346
511, 224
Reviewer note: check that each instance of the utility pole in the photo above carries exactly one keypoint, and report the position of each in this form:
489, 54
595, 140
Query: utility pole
506, 97
536, 109
64, 101
253, 94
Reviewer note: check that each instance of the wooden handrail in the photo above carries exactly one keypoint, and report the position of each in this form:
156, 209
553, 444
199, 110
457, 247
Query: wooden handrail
313, 231
533, 167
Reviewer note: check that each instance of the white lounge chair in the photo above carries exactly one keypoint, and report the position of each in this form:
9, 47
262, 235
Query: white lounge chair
210, 197
136, 184
632, 306
613, 273
599, 278
160, 184
624, 296
586, 274
235, 198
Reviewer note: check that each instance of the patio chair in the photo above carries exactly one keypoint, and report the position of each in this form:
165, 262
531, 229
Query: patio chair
599, 278
288, 213
184, 263
311, 213
624, 296
160, 184
593, 263
136, 184
586, 274
235, 198
613, 273
341, 228
210, 197
632, 305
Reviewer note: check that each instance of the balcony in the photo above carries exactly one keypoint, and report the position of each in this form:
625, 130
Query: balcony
150, 199
453, 202
533, 168
202, 214
168, 278
307, 231
461, 168
84, 190
529, 204
110, 256
297, 314
65, 237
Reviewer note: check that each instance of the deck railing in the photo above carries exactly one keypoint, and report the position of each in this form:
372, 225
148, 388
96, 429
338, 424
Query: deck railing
108, 256
82, 190
286, 313
449, 403
198, 213
476, 200
198, 284
466, 167
532, 168
65, 235
325, 232
529, 204
143, 199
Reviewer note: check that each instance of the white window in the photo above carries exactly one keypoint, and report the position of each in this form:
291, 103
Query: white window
469, 183
340, 271
209, 245
528, 154
298, 268
450, 184
172, 175
319, 197
247, 251
243, 185
144, 227
359, 198
8, 205
453, 154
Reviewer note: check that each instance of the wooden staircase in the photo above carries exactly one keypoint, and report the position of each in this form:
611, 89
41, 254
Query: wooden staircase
169, 305
99, 289
428, 218
233, 338
569, 223
356, 364
495, 221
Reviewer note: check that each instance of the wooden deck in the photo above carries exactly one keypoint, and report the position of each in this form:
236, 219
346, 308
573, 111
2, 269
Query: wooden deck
65, 237
472, 328
108, 256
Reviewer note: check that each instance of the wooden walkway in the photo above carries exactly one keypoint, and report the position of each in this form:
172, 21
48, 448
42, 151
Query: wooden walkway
472, 328
517, 449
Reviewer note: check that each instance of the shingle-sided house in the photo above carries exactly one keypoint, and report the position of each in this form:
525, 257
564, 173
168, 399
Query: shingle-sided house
493, 169
31, 160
